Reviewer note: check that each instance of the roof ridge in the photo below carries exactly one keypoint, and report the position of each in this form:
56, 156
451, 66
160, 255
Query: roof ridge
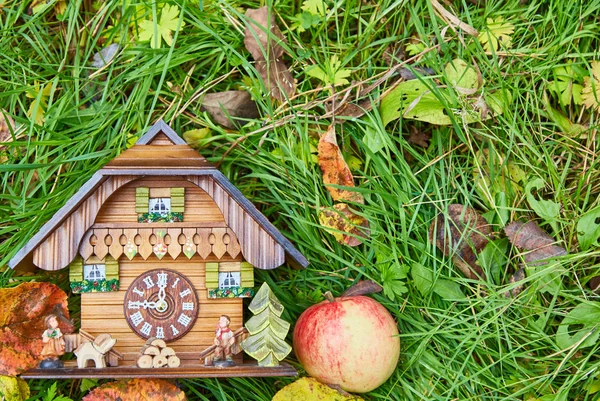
161, 127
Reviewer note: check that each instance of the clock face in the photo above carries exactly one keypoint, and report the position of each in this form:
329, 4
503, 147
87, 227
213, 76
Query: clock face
161, 303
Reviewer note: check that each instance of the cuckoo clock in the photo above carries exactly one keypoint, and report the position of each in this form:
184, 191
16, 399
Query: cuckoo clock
159, 244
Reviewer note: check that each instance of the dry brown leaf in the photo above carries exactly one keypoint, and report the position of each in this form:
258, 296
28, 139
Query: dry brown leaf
136, 390
6, 126
419, 137
515, 278
363, 287
277, 79
341, 218
462, 233
594, 284
230, 108
335, 170
23, 310
263, 38
262, 42
536, 242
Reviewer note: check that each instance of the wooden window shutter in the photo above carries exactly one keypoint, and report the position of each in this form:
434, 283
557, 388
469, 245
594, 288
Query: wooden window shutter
177, 200
112, 268
76, 269
247, 275
212, 275
141, 199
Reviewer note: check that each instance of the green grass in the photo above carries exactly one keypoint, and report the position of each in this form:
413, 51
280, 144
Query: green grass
482, 347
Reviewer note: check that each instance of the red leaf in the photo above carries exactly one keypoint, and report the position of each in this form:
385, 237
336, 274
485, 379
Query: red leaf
462, 234
22, 313
335, 170
136, 390
530, 237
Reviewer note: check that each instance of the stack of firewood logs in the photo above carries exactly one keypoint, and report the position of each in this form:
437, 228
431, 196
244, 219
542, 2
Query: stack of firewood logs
156, 354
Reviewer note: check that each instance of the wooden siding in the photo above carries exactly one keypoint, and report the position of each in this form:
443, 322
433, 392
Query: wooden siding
258, 247
60, 247
172, 156
199, 206
103, 312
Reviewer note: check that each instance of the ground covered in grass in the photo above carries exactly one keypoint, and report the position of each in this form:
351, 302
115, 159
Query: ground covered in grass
501, 117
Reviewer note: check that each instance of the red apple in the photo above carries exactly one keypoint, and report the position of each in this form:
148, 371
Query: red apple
350, 341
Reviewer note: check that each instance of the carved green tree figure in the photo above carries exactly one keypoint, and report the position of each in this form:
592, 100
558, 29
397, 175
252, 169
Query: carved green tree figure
267, 329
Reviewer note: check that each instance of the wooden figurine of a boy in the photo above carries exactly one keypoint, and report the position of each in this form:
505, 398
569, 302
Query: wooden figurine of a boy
224, 341
54, 344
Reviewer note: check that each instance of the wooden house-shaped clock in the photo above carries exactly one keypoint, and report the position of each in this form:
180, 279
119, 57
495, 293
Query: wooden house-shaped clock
159, 243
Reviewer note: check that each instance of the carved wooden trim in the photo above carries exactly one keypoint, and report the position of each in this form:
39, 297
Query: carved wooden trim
218, 241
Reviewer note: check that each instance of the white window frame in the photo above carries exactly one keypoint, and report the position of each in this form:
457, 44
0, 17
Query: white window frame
225, 279
94, 272
153, 202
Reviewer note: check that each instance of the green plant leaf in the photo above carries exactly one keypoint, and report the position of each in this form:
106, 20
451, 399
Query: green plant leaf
586, 314
448, 289
52, 396
416, 100
565, 125
497, 33
315, 7
546, 209
462, 77
493, 258
422, 278
87, 384
333, 74
565, 87
168, 22
392, 280
588, 229
414, 48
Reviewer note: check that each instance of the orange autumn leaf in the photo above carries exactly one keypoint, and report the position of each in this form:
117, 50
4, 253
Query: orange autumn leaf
346, 226
22, 313
136, 390
335, 169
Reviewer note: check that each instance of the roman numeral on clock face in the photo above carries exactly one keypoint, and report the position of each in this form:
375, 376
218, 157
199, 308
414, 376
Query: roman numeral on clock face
137, 318
146, 328
160, 333
139, 292
175, 283
149, 282
184, 319
187, 306
162, 279
184, 293
174, 330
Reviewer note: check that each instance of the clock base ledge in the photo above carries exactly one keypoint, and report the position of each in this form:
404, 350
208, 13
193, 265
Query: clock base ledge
250, 369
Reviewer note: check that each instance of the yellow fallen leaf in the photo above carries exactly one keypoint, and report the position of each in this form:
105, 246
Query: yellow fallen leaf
309, 389
590, 94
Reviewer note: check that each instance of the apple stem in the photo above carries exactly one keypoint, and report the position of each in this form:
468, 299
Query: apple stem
329, 296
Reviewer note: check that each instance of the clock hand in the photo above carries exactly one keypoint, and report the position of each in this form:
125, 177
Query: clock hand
145, 304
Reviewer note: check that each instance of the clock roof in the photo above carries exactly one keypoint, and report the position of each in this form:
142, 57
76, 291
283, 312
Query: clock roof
159, 152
